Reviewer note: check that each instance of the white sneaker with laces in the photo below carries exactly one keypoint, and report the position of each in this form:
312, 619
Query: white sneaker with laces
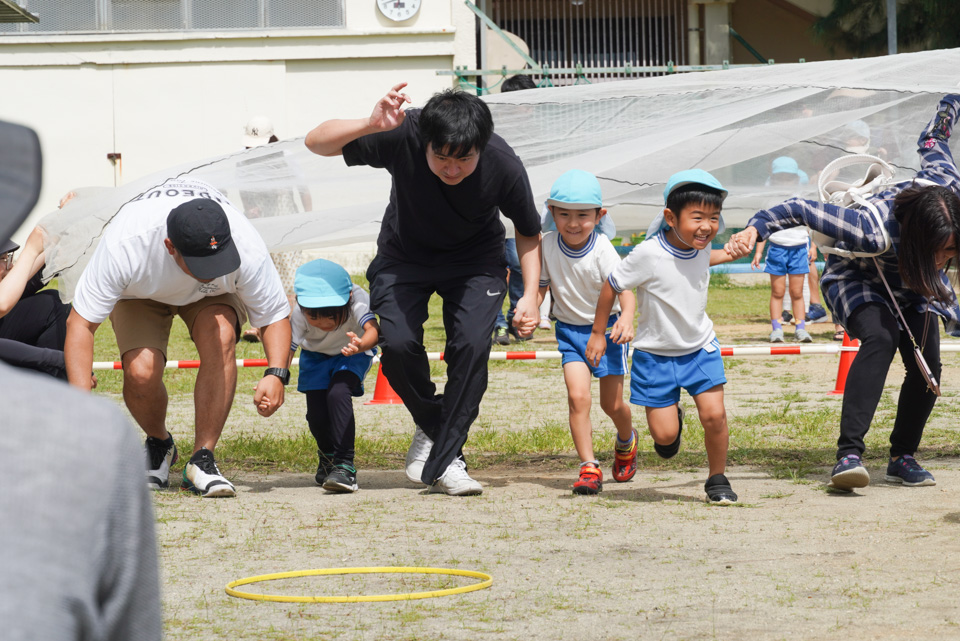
544, 322
201, 476
160, 457
417, 455
456, 482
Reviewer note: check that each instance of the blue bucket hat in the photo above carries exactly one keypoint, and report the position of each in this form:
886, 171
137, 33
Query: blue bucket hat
787, 165
576, 189
322, 283
679, 179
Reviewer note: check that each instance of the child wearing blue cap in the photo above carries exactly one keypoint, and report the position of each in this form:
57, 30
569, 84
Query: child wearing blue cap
789, 254
337, 333
675, 345
576, 261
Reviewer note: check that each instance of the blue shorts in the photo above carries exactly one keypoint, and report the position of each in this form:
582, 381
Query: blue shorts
572, 340
317, 369
655, 381
787, 260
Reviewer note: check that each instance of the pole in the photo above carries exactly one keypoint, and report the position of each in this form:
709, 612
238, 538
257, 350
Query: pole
892, 27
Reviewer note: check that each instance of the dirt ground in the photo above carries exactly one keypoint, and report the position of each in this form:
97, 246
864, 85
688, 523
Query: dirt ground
646, 559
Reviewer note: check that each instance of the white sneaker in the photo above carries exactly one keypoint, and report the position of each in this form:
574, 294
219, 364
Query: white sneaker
160, 457
417, 455
544, 322
202, 476
456, 482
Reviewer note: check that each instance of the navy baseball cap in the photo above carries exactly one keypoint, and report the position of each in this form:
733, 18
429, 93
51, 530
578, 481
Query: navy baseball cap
7, 247
200, 231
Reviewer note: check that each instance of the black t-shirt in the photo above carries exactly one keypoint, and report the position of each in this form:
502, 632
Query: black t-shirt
430, 223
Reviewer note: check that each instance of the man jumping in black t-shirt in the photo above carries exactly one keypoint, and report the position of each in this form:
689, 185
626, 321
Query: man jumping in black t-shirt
441, 233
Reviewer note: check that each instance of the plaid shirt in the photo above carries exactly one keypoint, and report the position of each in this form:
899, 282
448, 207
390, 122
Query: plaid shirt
848, 283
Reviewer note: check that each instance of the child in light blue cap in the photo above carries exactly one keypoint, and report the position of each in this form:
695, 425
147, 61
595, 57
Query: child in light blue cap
675, 346
337, 335
576, 261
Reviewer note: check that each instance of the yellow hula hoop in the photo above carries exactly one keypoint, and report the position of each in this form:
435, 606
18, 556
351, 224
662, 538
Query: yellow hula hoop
486, 582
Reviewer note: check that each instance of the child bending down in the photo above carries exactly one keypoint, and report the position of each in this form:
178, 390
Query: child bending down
576, 262
675, 345
337, 333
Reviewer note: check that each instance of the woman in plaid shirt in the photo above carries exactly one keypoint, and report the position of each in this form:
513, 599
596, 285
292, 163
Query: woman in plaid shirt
922, 218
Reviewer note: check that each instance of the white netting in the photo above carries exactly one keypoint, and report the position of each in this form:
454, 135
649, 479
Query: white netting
633, 134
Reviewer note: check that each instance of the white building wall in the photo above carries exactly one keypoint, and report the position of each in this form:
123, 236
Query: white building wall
160, 99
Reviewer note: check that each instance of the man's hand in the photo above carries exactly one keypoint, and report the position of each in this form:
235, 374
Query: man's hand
268, 395
387, 113
526, 317
741, 243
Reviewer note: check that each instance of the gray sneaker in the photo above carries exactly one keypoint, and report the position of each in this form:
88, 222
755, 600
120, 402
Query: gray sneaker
776, 336
802, 336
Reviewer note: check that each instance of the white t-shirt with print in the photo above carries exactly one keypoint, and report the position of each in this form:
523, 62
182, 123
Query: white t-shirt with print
132, 262
314, 339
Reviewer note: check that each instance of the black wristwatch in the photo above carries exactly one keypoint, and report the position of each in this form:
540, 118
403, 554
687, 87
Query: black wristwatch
280, 372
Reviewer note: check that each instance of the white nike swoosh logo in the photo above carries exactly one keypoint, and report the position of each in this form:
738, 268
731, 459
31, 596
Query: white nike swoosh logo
489, 293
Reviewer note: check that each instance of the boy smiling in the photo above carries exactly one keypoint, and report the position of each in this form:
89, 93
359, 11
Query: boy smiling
576, 263
675, 345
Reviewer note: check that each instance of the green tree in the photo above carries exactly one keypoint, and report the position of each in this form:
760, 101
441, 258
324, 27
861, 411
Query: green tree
860, 26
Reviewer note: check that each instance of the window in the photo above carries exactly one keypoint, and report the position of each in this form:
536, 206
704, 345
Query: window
176, 15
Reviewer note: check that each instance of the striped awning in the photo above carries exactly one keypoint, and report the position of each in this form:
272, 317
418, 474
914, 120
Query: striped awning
10, 11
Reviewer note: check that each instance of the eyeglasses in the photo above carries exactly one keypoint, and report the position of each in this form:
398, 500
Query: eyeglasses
7, 259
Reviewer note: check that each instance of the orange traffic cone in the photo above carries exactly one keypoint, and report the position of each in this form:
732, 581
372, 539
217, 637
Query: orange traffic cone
383, 393
846, 359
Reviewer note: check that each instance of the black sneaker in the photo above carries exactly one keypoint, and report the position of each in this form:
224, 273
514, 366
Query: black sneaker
848, 474
325, 467
669, 451
516, 335
909, 472
501, 336
202, 477
161, 455
343, 479
719, 491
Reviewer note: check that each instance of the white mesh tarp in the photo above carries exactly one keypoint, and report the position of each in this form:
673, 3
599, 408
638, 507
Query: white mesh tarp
633, 134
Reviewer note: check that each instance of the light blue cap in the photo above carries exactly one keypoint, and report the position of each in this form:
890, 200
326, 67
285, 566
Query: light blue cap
322, 283
679, 179
787, 165
576, 189
691, 177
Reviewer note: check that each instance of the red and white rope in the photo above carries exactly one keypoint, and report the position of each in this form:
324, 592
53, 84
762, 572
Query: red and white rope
548, 355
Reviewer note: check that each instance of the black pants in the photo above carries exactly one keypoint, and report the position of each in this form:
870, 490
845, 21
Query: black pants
399, 294
880, 337
331, 420
32, 334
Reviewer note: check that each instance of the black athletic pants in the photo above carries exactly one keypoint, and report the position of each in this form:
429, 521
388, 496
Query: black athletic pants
32, 334
331, 420
880, 338
399, 294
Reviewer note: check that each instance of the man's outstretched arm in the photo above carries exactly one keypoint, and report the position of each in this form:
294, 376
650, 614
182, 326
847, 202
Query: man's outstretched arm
330, 137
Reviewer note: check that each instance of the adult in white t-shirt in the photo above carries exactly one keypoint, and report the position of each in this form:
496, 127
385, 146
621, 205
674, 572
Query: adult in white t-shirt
181, 249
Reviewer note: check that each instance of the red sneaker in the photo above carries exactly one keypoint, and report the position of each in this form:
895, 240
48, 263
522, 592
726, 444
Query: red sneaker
590, 481
625, 461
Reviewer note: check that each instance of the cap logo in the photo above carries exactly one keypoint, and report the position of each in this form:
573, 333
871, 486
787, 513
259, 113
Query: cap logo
213, 242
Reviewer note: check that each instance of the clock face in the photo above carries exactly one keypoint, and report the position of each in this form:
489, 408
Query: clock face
398, 10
